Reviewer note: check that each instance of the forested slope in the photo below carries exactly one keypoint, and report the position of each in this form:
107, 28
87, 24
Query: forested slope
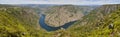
101, 22
19, 22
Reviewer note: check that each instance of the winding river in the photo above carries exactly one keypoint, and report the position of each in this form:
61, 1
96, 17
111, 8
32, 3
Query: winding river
50, 28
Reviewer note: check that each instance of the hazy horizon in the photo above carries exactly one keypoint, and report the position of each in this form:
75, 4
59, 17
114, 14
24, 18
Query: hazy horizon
72, 2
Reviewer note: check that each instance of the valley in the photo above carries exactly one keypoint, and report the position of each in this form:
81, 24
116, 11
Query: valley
60, 20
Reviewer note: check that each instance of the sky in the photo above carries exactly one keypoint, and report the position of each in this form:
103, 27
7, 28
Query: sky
74, 2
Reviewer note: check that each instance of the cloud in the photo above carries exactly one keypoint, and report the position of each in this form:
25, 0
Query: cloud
75, 2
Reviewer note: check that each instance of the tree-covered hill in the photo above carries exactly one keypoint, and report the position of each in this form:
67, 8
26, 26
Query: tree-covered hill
24, 22
101, 22
19, 22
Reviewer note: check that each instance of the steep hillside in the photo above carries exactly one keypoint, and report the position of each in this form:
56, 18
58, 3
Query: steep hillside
59, 15
23, 22
101, 22
19, 22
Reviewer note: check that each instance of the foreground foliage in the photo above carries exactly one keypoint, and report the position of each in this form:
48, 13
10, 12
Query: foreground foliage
18, 22
97, 23
22, 22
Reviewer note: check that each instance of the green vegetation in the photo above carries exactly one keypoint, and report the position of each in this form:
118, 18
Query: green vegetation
19, 22
96, 24
24, 22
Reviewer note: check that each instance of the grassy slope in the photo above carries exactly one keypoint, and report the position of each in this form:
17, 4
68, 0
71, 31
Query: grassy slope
97, 24
19, 22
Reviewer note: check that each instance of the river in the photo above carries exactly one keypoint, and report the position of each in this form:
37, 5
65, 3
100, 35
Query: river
50, 28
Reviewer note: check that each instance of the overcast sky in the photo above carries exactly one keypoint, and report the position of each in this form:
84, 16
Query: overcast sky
74, 2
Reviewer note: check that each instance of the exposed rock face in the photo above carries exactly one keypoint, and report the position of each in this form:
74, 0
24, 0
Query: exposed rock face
60, 15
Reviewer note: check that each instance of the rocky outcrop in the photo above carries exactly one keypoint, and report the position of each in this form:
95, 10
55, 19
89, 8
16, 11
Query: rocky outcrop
59, 15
